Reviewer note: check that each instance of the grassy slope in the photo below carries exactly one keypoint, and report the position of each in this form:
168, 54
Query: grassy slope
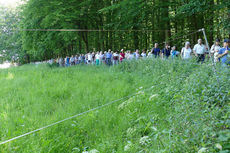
182, 112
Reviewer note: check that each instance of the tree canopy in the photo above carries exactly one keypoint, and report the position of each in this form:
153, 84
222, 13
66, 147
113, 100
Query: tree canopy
108, 24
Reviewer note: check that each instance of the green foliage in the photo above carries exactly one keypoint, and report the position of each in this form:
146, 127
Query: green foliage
10, 41
128, 24
183, 110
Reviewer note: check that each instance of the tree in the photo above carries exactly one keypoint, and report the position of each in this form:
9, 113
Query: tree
110, 24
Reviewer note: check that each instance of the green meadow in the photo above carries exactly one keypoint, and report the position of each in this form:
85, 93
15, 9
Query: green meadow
179, 106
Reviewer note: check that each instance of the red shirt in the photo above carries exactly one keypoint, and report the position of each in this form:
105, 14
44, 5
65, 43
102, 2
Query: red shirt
122, 56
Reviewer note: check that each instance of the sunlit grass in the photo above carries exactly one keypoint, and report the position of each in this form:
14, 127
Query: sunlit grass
34, 96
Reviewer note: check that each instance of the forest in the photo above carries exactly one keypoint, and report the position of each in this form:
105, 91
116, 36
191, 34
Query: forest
141, 105
96, 25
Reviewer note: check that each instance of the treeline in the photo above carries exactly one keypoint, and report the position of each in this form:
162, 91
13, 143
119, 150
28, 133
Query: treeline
116, 24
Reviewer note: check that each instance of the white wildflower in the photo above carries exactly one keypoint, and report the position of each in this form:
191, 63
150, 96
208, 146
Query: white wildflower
122, 106
145, 140
131, 131
140, 118
73, 125
76, 149
154, 128
128, 146
153, 96
141, 88
94, 151
218, 146
202, 150
141, 151
125, 104
85, 152
140, 93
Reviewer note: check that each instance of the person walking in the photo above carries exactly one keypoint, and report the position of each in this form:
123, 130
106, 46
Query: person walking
97, 57
67, 61
90, 58
173, 52
101, 57
104, 58
156, 51
137, 55
122, 55
60, 61
186, 52
199, 51
143, 54
108, 58
215, 49
224, 55
115, 58
86, 58
130, 55
93, 58
72, 61
215, 46
166, 51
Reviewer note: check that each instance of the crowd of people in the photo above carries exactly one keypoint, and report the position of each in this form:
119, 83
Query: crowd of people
218, 53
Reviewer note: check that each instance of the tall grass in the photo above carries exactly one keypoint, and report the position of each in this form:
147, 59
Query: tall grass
185, 109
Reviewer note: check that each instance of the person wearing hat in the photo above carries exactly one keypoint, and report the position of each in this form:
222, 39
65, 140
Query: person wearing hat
224, 55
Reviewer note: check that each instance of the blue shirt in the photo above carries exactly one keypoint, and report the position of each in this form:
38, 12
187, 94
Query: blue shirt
108, 55
67, 60
226, 58
156, 51
166, 52
174, 53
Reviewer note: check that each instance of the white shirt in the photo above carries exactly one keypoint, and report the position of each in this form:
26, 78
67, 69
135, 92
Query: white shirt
72, 59
115, 54
127, 55
137, 56
216, 57
60, 60
131, 56
101, 56
199, 49
186, 53
214, 48
90, 57
143, 54
97, 56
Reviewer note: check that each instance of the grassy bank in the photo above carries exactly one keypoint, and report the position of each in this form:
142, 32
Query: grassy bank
184, 110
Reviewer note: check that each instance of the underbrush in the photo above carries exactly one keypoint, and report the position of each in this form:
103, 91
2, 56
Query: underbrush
179, 107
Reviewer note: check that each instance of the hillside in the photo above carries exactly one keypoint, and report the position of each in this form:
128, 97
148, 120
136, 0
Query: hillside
179, 107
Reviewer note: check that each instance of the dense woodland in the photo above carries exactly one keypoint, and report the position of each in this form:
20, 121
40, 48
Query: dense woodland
105, 24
